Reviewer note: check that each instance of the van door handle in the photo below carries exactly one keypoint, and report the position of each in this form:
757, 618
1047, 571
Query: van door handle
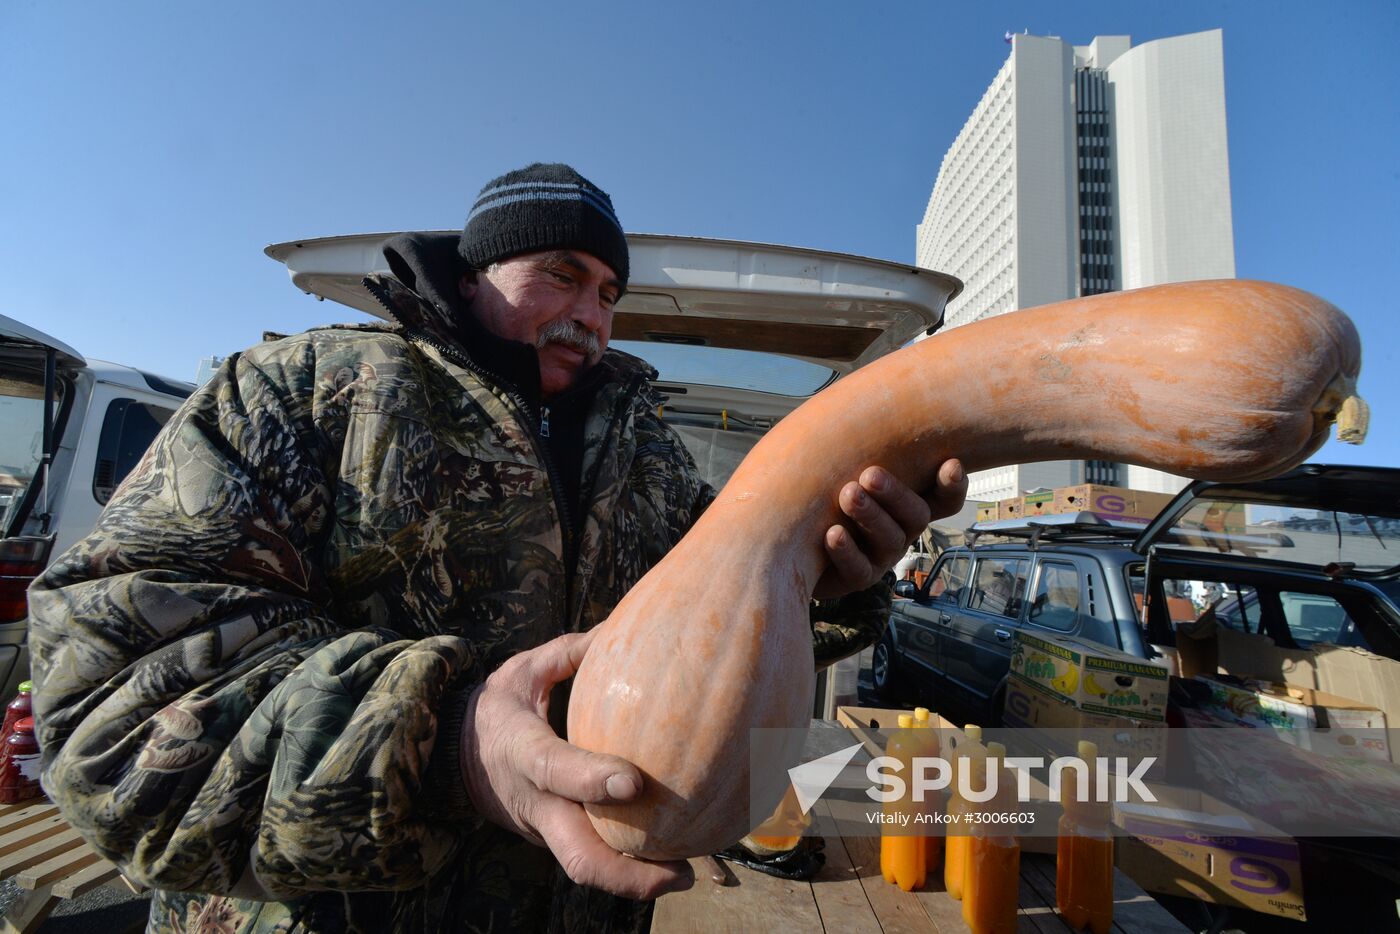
1003, 634
944, 618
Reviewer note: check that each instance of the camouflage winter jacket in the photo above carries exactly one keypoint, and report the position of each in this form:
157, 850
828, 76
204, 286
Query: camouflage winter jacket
251, 676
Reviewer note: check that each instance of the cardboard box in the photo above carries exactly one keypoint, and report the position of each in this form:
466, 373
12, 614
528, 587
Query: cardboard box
1009, 508
1249, 708
987, 512
1193, 845
1039, 503
1318, 721
1027, 706
864, 721
1091, 677
1110, 502
1344, 671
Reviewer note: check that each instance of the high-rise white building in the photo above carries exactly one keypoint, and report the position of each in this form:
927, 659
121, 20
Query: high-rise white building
207, 368
1084, 169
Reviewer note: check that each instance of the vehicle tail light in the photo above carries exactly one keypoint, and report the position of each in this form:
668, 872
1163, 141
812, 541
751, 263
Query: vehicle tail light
21, 560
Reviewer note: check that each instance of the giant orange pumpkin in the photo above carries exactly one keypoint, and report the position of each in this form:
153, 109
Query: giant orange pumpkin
1223, 380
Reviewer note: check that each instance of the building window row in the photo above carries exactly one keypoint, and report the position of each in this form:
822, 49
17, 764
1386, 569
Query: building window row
981, 163
1104, 472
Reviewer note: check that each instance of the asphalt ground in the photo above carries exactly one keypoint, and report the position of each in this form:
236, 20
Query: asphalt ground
110, 910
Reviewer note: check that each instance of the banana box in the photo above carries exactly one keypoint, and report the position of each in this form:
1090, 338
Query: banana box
1194, 846
1091, 677
1039, 503
1061, 724
1110, 502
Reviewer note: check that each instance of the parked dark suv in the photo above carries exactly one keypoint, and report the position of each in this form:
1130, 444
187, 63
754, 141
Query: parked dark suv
949, 643
1311, 557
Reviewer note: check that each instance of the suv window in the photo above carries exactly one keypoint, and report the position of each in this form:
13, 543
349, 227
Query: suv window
1308, 617
127, 430
1182, 600
1000, 586
1313, 617
1239, 607
1056, 601
946, 584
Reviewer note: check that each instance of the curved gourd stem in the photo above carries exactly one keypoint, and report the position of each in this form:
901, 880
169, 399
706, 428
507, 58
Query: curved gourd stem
1093, 378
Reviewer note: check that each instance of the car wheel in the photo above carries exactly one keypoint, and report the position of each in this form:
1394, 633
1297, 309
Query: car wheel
884, 670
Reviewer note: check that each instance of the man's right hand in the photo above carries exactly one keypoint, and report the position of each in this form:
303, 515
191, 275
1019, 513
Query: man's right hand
525, 778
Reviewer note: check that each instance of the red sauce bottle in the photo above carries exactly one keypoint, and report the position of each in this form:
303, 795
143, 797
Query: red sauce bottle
19, 764
22, 706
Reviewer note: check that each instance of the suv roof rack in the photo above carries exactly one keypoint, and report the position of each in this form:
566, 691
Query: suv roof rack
1061, 527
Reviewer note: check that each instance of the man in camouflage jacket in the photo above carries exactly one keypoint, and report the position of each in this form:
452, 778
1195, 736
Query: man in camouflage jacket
297, 677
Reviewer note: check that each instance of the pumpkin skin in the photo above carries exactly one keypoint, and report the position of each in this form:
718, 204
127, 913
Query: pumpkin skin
1216, 380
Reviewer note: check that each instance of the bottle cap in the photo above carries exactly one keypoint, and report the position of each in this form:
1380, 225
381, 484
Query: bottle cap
1088, 751
24, 725
973, 732
905, 721
26, 687
996, 751
921, 715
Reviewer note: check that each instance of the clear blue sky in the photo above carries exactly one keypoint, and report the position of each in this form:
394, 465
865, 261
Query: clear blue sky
151, 150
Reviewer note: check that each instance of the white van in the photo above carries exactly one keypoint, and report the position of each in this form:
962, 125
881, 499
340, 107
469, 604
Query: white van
70, 430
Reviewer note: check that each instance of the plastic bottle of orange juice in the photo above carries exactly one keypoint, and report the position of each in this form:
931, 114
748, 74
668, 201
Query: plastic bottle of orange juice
970, 757
782, 831
933, 801
901, 850
1084, 855
993, 877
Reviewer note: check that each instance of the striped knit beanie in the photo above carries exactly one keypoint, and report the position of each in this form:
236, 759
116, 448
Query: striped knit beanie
541, 207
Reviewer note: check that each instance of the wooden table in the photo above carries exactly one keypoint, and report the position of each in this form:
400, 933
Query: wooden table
48, 860
850, 895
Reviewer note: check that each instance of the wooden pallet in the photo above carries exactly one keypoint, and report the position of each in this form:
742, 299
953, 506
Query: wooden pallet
48, 860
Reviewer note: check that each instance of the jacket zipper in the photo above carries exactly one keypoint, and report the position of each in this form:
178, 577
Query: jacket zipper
556, 487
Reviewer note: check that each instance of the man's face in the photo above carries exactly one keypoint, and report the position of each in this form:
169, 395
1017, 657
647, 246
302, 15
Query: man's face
560, 301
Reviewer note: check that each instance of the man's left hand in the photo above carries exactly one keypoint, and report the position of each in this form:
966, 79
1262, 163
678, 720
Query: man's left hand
884, 517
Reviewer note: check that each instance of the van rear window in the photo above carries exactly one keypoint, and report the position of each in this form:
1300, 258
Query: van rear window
21, 437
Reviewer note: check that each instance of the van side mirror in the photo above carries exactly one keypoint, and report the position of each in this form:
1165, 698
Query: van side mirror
905, 589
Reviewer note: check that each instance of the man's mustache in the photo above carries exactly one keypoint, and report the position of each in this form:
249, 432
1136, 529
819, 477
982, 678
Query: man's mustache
569, 333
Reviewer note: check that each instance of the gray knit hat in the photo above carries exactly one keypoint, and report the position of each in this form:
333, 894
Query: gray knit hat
540, 207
